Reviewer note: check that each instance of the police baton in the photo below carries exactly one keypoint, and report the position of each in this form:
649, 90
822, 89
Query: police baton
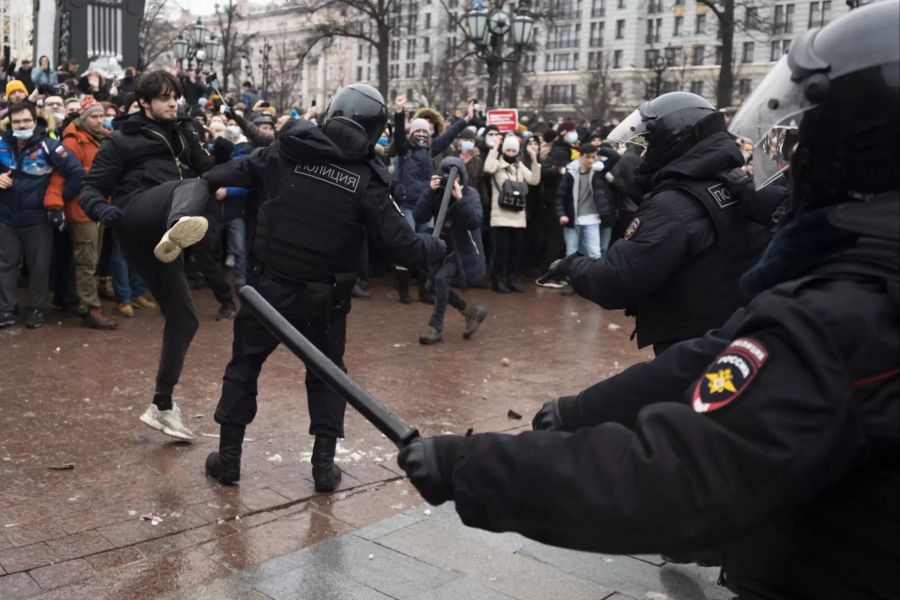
374, 411
445, 201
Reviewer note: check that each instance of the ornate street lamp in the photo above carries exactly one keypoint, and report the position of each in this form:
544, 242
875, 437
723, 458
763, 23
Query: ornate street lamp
200, 46
659, 66
486, 29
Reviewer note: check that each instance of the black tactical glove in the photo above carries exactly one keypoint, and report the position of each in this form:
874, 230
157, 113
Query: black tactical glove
57, 218
229, 113
222, 150
107, 214
549, 417
429, 465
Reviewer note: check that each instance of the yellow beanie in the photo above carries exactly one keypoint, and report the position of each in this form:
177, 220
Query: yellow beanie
15, 85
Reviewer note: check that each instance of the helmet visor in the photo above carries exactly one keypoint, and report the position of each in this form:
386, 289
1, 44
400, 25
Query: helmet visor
766, 119
633, 129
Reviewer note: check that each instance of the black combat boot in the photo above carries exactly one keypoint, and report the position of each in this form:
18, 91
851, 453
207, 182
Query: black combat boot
513, 285
474, 315
326, 474
431, 337
225, 465
403, 285
499, 285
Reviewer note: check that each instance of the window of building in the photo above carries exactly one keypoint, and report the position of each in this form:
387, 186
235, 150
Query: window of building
745, 86
654, 6
595, 60
409, 94
700, 26
788, 18
617, 59
671, 54
394, 71
528, 92
778, 48
678, 27
650, 57
653, 31
697, 55
395, 49
747, 52
426, 45
697, 87
560, 94
620, 29
596, 40
411, 48
616, 89
620, 4
479, 93
427, 20
598, 8
563, 36
751, 17
819, 13
784, 19
717, 59
359, 52
412, 20
359, 73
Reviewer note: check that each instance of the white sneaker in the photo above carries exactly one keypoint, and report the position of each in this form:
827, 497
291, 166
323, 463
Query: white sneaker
186, 232
167, 421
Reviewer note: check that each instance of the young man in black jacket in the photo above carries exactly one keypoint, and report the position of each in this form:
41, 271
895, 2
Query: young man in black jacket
150, 168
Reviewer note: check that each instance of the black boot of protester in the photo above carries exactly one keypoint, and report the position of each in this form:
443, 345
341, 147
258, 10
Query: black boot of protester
225, 465
326, 474
403, 285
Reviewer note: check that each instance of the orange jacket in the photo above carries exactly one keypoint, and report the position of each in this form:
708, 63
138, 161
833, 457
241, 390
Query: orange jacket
84, 146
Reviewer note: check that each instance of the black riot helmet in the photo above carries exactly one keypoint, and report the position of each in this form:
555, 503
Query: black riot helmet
355, 119
668, 126
837, 91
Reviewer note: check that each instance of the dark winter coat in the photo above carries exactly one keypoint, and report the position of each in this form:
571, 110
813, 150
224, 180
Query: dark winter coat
23, 204
463, 221
560, 155
139, 155
567, 194
414, 164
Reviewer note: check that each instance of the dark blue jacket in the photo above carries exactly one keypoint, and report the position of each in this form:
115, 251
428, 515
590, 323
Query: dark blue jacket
414, 164
22, 205
463, 221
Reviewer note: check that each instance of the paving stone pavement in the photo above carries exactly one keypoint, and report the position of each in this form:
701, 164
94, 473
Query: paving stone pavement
426, 553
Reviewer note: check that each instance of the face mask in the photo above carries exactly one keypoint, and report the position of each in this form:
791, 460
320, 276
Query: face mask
571, 137
466, 145
107, 122
423, 142
60, 117
383, 141
23, 134
490, 142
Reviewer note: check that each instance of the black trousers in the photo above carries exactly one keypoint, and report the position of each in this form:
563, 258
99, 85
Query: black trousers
319, 314
147, 217
440, 284
508, 251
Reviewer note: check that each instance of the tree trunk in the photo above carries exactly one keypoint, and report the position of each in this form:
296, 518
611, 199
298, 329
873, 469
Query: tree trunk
515, 80
383, 48
725, 86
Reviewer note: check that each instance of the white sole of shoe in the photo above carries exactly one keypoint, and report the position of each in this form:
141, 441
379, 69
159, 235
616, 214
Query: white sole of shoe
151, 423
178, 436
186, 232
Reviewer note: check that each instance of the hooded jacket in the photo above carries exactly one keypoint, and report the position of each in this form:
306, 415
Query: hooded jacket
83, 147
139, 155
23, 205
463, 220
414, 164
570, 190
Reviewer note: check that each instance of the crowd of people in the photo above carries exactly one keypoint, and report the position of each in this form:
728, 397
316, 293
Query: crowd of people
528, 196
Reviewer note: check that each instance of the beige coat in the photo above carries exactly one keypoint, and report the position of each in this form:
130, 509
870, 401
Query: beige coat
500, 171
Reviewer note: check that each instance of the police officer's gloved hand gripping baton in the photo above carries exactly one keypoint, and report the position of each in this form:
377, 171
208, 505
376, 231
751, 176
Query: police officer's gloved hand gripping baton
374, 411
445, 201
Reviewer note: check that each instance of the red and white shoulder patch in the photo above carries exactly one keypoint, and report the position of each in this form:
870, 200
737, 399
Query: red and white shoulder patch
632, 228
729, 375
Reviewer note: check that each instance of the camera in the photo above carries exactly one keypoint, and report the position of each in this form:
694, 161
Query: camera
444, 179
211, 78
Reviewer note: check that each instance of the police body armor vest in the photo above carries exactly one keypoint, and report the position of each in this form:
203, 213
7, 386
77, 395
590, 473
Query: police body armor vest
312, 228
705, 291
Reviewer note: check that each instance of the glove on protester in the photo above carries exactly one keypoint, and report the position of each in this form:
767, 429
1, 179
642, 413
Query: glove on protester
57, 218
429, 465
222, 150
108, 214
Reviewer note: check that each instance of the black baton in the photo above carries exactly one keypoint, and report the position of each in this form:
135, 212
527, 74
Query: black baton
445, 201
374, 411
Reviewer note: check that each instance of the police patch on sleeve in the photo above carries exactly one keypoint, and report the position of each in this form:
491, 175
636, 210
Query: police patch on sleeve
729, 375
632, 228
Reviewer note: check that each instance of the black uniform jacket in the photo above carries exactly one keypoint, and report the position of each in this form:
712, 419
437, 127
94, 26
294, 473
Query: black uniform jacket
139, 155
323, 220
677, 268
776, 436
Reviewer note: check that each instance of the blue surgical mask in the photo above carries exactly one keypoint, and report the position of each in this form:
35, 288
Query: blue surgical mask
23, 134
383, 141
107, 122
466, 145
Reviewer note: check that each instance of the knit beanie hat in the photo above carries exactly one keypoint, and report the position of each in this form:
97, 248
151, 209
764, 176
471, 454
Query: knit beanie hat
467, 134
15, 85
89, 105
510, 142
419, 124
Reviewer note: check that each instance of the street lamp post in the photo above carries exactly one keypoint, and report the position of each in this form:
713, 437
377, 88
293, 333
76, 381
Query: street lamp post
264, 50
487, 29
200, 46
659, 66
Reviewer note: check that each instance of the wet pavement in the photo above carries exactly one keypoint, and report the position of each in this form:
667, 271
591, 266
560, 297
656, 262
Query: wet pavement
72, 396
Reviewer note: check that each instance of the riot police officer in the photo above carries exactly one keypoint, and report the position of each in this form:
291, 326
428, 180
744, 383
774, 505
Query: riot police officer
777, 435
325, 190
678, 265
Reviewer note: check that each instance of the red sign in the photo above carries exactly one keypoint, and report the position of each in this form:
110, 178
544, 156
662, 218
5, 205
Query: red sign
506, 119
